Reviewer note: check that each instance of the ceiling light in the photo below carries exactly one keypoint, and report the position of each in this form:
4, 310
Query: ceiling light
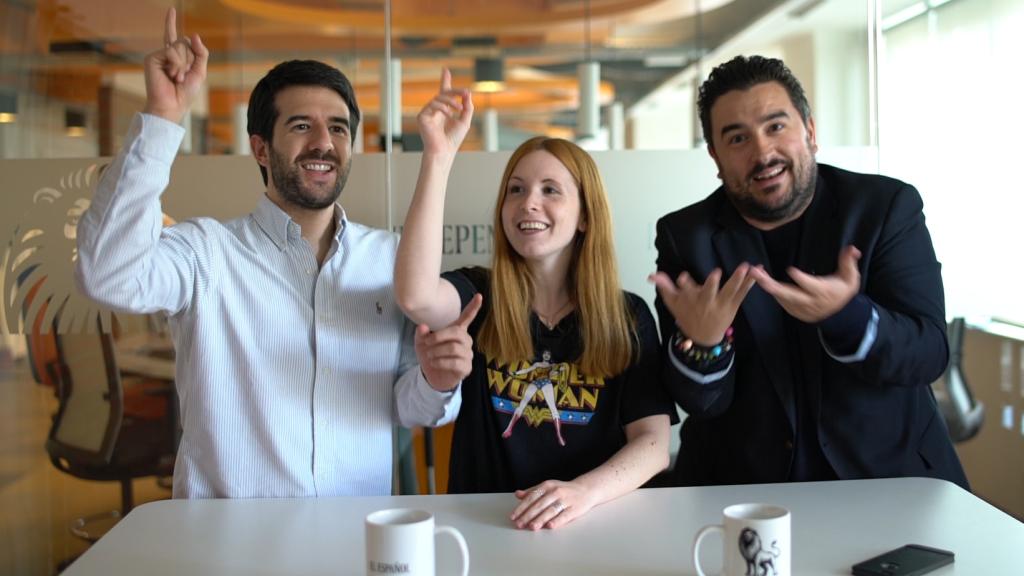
8, 107
665, 61
489, 75
74, 123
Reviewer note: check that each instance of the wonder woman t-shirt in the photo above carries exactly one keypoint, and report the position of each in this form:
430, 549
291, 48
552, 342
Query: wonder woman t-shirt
492, 453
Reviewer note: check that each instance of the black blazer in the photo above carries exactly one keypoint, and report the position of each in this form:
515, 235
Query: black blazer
877, 418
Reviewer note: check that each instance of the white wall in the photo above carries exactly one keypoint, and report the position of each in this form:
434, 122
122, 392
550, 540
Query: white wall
841, 94
664, 120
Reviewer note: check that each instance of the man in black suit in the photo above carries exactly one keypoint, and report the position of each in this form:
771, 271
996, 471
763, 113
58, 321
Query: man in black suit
802, 304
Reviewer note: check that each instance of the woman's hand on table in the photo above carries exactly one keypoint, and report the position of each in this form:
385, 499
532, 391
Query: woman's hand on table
552, 504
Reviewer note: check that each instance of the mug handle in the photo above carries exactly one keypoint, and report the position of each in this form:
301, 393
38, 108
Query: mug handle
463, 549
696, 544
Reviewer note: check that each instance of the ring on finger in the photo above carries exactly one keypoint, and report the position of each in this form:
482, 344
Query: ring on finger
558, 507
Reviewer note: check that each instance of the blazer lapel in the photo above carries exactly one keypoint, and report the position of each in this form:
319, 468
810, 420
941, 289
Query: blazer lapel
818, 254
736, 242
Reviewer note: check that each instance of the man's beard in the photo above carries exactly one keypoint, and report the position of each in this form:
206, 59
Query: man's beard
799, 197
288, 181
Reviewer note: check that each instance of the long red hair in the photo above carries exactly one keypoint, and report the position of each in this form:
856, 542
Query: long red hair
606, 323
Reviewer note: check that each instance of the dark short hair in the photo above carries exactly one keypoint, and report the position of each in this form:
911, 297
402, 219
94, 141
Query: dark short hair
263, 112
743, 73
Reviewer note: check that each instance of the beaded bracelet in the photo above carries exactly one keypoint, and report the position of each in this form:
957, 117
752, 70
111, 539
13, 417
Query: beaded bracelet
695, 353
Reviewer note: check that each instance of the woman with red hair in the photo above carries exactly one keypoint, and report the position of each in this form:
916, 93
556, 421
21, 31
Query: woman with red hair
559, 346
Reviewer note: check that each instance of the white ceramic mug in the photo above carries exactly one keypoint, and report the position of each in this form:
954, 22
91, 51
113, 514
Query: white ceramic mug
401, 541
755, 538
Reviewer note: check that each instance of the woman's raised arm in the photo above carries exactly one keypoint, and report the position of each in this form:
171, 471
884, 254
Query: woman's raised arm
421, 292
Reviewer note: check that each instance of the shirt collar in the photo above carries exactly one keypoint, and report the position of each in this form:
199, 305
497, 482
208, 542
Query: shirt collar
280, 227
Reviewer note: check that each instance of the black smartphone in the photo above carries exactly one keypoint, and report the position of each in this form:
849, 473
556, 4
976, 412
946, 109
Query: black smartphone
909, 560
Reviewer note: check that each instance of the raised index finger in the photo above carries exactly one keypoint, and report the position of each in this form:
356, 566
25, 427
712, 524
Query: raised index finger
170, 27
469, 312
446, 80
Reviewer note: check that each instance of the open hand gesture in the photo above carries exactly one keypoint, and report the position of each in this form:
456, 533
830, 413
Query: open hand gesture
703, 312
445, 120
446, 356
174, 73
815, 298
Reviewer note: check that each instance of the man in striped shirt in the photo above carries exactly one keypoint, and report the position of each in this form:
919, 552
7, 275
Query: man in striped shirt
293, 362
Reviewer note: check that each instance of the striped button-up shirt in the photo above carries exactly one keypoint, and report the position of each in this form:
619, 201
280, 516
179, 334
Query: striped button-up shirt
290, 374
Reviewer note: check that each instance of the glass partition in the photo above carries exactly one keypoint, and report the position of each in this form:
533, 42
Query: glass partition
618, 76
72, 69
948, 124
610, 74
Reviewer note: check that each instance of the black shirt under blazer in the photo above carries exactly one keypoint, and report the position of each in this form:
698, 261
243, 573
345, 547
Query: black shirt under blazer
877, 418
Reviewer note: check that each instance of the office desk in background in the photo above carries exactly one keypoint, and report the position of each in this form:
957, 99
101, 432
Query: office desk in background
835, 524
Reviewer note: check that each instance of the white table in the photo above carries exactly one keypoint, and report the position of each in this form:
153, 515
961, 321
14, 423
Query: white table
835, 524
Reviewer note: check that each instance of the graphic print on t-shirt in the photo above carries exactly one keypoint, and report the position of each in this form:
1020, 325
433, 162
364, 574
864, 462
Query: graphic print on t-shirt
543, 391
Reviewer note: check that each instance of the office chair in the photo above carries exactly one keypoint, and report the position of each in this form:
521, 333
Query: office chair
91, 437
407, 461
41, 348
964, 415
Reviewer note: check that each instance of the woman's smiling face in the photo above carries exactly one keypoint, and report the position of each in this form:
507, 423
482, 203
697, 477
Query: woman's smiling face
541, 210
